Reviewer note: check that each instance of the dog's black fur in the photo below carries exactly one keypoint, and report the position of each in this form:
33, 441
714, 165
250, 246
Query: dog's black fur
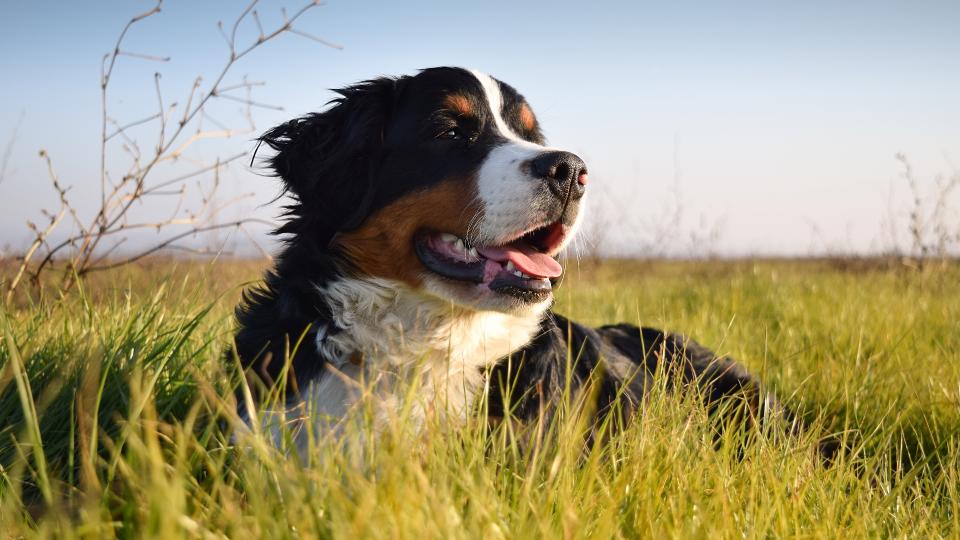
609, 356
376, 144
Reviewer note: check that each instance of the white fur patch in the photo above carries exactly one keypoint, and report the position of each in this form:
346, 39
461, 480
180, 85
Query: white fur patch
405, 337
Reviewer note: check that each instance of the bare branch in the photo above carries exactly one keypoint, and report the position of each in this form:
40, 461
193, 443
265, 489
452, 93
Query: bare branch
317, 39
121, 129
142, 56
250, 102
934, 232
243, 85
219, 164
256, 19
163, 245
116, 48
193, 90
61, 191
160, 112
39, 240
99, 237
110, 61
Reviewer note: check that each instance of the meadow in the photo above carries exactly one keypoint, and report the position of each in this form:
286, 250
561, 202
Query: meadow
117, 400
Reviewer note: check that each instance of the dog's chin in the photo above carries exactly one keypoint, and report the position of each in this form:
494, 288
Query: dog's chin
481, 298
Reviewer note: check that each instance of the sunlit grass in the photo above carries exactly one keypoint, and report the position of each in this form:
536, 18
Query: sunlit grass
116, 418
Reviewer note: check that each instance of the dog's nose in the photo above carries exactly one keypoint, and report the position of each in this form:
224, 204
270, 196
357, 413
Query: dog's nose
564, 172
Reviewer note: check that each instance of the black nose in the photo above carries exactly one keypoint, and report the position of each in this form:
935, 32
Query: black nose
565, 173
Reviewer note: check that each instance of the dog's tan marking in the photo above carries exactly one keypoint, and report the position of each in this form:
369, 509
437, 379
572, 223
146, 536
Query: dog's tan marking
527, 119
383, 245
459, 104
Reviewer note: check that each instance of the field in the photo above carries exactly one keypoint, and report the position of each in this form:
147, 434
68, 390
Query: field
116, 413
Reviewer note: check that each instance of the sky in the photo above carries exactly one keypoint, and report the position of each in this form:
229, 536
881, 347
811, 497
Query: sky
738, 128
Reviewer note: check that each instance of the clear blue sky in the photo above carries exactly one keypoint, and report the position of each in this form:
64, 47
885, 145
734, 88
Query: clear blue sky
774, 118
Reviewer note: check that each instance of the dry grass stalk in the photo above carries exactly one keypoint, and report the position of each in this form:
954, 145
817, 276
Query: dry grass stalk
933, 228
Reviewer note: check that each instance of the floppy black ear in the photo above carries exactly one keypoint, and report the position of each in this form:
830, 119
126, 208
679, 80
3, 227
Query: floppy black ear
327, 159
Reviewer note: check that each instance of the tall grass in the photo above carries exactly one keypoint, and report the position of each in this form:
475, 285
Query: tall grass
116, 419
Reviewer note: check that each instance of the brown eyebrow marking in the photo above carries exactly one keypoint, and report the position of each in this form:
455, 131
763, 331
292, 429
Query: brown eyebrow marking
459, 104
527, 120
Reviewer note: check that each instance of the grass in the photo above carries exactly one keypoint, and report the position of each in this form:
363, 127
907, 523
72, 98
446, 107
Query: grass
116, 419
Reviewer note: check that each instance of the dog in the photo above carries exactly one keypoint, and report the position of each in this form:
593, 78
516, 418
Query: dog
422, 244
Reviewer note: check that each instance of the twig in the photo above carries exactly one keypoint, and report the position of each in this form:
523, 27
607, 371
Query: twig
167, 242
142, 56
122, 129
317, 39
250, 102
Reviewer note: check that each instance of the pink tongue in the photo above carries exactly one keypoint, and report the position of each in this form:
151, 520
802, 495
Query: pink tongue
525, 258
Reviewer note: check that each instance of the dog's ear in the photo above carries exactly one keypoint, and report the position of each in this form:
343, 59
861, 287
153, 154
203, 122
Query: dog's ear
327, 159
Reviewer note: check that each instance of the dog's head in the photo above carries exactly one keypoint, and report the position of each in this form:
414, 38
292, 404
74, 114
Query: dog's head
440, 181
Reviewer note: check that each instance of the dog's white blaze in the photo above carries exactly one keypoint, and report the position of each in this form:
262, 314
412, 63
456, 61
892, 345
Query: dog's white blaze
491, 90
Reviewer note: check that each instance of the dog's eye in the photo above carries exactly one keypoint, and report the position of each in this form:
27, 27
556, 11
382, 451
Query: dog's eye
452, 134
457, 134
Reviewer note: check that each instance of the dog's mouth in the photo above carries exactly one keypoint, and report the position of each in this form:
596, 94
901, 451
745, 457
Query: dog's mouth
524, 267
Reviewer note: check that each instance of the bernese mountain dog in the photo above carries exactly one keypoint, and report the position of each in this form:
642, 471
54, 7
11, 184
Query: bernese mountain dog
422, 245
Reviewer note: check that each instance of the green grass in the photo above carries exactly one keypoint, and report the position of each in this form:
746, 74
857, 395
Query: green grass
116, 413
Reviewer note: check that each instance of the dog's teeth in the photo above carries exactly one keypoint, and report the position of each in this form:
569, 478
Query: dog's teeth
459, 246
448, 238
473, 253
510, 267
518, 273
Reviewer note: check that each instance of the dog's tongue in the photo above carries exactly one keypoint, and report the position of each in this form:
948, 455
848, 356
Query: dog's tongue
525, 257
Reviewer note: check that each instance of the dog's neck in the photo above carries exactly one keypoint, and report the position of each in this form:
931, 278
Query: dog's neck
398, 330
